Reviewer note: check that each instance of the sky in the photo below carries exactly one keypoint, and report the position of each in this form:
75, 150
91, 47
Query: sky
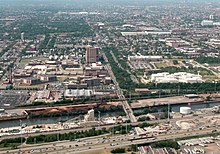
92, 2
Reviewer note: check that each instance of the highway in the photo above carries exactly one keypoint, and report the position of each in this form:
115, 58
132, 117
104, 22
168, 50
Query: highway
173, 121
108, 142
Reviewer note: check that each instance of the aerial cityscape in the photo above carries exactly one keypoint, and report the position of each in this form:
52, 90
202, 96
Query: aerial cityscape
110, 76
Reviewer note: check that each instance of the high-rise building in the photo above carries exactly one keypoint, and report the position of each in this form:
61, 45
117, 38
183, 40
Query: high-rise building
22, 37
211, 17
91, 55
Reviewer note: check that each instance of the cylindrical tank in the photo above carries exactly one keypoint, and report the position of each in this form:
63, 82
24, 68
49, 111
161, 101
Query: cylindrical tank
185, 110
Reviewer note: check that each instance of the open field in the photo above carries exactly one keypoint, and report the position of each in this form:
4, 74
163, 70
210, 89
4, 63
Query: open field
160, 64
107, 151
210, 78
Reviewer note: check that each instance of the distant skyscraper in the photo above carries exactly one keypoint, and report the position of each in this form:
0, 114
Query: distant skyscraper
91, 55
22, 37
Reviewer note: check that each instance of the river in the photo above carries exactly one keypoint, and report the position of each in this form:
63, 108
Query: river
176, 107
50, 120
53, 120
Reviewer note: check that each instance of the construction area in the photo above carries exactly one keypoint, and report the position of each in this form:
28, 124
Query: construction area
201, 122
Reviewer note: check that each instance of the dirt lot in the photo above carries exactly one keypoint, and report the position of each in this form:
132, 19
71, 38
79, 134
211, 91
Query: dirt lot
162, 101
212, 149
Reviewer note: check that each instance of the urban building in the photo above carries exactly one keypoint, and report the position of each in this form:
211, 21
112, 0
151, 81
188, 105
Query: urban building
158, 32
47, 78
92, 82
211, 17
107, 80
144, 58
207, 23
90, 116
91, 55
180, 77
76, 86
82, 93
22, 37
30, 81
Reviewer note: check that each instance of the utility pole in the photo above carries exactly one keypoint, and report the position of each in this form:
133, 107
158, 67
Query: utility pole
113, 131
159, 93
99, 117
121, 129
126, 127
58, 137
130, 94
178, 90
215, 86
168, 112
21, 133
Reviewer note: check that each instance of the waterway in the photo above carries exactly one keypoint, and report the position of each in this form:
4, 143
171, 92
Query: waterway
176, 107
50, 120
53, 120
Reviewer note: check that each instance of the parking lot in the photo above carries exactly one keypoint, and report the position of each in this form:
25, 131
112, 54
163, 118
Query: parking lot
11, 98
208, 145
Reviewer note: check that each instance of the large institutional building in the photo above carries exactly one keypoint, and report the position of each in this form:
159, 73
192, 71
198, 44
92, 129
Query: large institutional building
91, 55
180, 77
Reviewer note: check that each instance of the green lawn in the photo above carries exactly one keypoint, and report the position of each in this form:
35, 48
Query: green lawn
160, 65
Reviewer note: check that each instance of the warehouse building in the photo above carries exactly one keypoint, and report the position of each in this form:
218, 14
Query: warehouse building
145, 58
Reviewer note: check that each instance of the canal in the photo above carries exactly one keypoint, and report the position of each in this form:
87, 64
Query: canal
176, 107
50, 120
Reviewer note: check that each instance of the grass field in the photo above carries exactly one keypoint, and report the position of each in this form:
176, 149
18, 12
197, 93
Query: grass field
160, 65
210, 78
100, 152
108, 151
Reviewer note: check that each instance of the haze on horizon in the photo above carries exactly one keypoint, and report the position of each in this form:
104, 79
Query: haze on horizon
95, 2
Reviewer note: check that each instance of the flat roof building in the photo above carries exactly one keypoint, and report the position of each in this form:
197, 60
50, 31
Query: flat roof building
207, 23
144, 58
180, 77
30, 81
91, 55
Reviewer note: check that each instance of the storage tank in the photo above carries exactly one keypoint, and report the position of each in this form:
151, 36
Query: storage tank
185, 110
